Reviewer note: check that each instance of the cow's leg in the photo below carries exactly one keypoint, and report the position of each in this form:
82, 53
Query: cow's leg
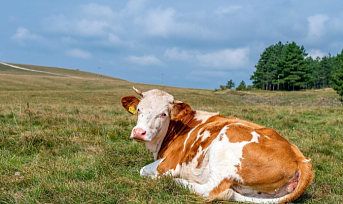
150, 169
212, 189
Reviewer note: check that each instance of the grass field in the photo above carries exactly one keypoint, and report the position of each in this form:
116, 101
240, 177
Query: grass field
66, 140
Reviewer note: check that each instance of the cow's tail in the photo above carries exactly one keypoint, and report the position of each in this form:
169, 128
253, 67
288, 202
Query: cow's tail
306, 176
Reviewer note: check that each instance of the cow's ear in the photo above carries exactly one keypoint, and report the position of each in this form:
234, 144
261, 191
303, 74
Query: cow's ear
180, 110
130, 103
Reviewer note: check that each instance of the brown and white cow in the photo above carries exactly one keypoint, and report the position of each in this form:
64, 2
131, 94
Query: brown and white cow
214, 156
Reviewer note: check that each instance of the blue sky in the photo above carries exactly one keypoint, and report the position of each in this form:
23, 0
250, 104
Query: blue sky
194, 43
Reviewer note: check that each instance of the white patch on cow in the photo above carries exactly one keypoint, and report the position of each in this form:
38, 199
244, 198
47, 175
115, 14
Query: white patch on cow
255, 137
205, 135
176, 171
192, 173
238, 124
241, 198
225, 157
198, 136
151, 169
266, 136
184, 144
202, 116
306, 160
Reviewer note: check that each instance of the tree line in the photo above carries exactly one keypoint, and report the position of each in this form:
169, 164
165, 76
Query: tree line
288, 67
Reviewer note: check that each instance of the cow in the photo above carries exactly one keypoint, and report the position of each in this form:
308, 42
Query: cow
219, 158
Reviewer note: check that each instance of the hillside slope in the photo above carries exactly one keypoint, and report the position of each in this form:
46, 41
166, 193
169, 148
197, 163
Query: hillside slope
60, 79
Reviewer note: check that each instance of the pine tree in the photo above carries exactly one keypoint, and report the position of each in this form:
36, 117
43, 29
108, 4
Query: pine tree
241, 86
309, 77
337, 76
293, 62
230, 84
266, 75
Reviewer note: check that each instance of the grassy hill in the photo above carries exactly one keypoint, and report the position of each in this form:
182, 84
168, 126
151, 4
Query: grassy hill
66, 140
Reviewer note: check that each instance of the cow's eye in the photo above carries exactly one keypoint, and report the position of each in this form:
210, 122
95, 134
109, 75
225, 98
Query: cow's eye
163, 115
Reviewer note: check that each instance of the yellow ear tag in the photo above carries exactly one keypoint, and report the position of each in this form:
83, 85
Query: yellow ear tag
132, 110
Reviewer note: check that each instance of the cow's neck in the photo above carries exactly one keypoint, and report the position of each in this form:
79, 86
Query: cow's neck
155, 145
175, 129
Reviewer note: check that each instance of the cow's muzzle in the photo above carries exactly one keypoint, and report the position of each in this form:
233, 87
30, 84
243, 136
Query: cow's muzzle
139, 134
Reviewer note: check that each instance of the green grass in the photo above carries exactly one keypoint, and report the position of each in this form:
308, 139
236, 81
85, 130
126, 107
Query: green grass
66, 140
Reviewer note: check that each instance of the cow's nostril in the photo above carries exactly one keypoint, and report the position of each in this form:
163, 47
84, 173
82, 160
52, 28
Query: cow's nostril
139, 132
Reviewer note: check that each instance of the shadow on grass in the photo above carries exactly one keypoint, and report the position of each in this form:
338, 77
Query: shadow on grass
304, 198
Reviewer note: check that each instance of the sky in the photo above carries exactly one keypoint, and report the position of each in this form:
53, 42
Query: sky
194, 43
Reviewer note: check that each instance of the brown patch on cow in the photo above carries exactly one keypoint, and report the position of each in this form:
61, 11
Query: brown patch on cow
223, 185
269, 164
213, 128
172, 146
180, 111
129, 101
239, 133
221, 136
200, 160
180, 126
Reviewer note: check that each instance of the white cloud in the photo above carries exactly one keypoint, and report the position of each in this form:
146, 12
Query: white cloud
175, 54
146, 60
226, 59
78, 53
336, 25
23, 34
79, 27
314, 53
225, 10
97, 11
163, 22
210, 73
90, 20
316, 25
134, 6
113, 40
158, 22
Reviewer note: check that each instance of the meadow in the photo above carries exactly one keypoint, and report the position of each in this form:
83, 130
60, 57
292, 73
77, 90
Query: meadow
66, 140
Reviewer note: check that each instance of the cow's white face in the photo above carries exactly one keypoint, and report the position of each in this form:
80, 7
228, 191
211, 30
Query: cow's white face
153, 113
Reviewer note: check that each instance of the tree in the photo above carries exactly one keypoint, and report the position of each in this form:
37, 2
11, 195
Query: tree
293, 69
241, 86
311, 76
337, 76
230, 84
267, 72
287, 67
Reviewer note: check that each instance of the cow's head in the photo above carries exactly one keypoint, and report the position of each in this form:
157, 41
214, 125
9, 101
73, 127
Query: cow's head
154, 111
